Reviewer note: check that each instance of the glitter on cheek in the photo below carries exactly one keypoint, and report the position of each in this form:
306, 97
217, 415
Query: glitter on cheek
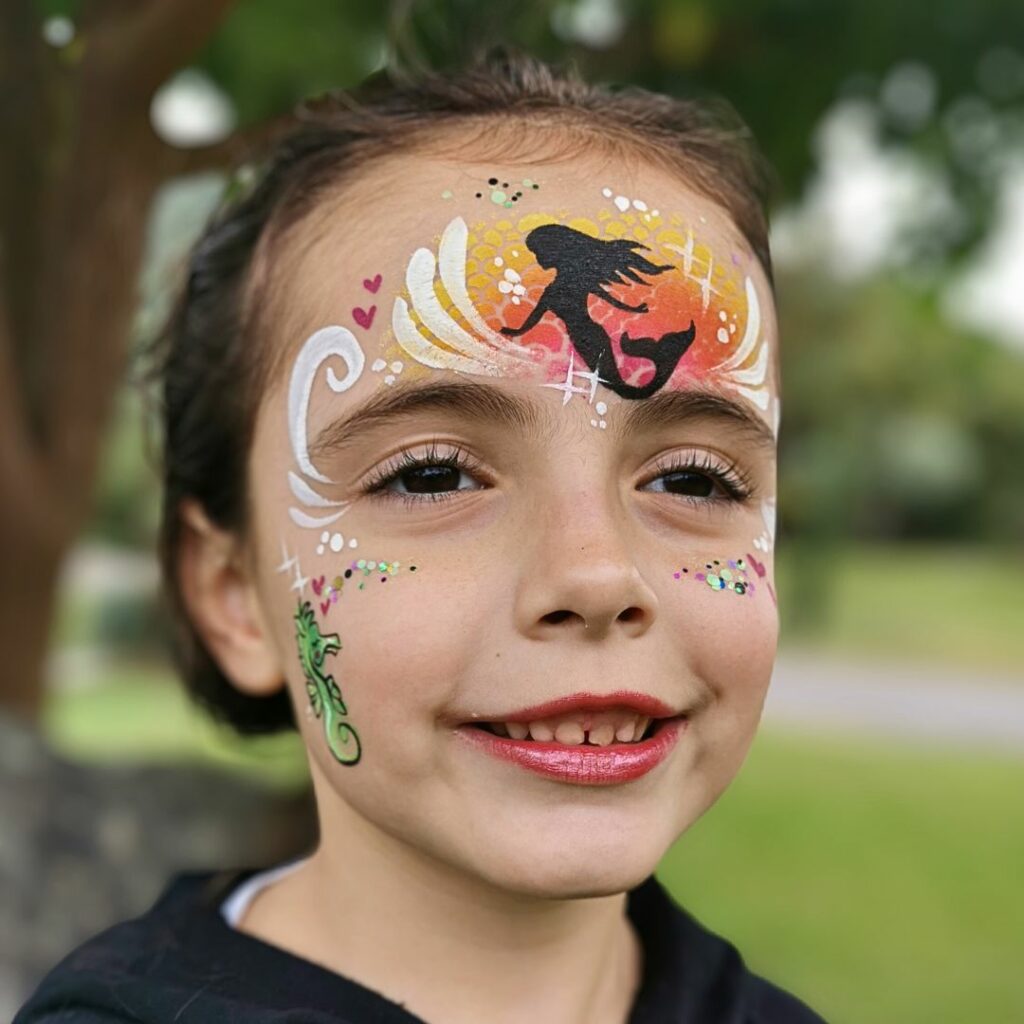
733, 575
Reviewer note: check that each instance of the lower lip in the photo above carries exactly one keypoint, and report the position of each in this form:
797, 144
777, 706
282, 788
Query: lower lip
583, 764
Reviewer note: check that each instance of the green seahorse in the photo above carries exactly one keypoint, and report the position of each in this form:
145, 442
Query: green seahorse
324, 694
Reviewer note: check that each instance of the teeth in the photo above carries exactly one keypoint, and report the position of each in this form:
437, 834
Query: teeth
569, 732
598, 729
625, 732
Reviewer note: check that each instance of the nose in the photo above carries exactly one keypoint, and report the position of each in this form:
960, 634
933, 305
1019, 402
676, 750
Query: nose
579, 578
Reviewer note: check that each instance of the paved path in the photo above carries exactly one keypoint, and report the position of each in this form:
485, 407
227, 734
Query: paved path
823, 694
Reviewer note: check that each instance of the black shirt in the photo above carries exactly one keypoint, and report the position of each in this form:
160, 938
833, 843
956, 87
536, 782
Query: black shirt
182, 963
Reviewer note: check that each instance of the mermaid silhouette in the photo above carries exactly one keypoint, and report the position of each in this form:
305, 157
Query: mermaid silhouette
585, 266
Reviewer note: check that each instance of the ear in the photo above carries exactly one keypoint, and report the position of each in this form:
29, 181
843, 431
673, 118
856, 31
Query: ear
222, 603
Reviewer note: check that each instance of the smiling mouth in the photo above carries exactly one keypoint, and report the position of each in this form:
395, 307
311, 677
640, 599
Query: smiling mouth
598, 730
581, 749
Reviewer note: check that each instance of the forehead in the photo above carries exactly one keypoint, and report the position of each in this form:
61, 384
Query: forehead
579, 274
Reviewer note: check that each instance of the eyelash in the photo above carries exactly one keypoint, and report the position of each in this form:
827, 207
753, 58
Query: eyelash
454, 458
732, 479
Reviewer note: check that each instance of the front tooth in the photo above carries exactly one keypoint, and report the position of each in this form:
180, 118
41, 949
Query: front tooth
641, 727
626, 732
517, 730
542, 731
569, 732
603, 734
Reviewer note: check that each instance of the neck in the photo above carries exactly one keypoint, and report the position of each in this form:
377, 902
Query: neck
450, 947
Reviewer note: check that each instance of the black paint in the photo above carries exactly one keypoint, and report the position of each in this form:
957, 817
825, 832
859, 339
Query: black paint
585, 266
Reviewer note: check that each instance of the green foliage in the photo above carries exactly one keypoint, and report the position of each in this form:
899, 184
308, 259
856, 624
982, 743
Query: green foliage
895, 423
877, 882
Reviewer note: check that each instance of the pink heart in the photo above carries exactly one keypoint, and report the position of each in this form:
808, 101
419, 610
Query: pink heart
758, 566
364, 317
325, 607
318, 585
371, 284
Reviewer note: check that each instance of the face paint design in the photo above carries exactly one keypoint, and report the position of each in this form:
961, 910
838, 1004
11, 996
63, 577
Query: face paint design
585, 267
324, 694
333, 542
498, 192
637, 303
734, 575
327, 343
290, 564
623, 203
766, 542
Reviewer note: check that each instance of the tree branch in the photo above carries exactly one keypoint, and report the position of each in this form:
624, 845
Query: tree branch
238, 147
138, 53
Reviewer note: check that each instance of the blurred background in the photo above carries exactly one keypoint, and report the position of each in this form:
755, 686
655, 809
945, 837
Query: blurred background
868, 856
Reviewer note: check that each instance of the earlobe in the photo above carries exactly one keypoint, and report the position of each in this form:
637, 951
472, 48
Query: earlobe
222, 603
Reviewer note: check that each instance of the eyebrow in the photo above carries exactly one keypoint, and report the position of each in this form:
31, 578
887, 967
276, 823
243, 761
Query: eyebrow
476, 400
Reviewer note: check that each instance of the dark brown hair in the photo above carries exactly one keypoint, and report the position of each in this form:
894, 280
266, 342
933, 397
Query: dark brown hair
211, 363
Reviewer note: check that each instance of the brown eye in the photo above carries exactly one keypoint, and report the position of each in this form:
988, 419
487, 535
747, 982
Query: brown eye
430, 479
696, 485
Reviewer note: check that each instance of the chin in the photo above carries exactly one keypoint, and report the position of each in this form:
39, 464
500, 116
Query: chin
573, 859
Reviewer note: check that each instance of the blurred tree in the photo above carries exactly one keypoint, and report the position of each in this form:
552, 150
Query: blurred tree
79, 168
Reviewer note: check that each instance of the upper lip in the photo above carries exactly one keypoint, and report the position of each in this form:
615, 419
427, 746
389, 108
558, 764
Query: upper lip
641, 703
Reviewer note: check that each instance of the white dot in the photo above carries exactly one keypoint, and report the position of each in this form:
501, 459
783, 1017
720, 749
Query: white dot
601, 408
639, 204
622, 203
722, 315
397, 366
606, 192
593, 423
337, 542
515, 252
353, 543
723, 335
389, 379
732, 328
498, 261
703, 219
378, 365
325, 537
319, 549
603, 424
654, 213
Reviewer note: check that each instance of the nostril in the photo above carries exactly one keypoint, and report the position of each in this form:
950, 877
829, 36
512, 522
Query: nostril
555, 618
632, 614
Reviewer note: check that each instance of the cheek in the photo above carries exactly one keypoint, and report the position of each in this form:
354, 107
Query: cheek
400, 659
731, 631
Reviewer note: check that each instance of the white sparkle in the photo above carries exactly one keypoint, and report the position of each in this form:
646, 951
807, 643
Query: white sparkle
568, 388
288, 562
706, 291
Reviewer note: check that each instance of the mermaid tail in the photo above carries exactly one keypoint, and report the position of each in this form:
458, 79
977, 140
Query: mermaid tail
665, 352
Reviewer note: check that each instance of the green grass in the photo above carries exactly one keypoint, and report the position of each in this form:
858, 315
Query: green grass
955, 606
879, 884
142, 713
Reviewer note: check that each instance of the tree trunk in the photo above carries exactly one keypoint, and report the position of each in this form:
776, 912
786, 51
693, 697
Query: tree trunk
79, 169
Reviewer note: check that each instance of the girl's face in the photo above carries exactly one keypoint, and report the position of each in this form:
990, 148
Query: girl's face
513, 490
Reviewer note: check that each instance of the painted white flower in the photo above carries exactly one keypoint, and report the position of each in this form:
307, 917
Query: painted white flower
512, 285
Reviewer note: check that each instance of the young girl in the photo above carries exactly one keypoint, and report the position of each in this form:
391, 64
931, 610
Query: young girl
471, 408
